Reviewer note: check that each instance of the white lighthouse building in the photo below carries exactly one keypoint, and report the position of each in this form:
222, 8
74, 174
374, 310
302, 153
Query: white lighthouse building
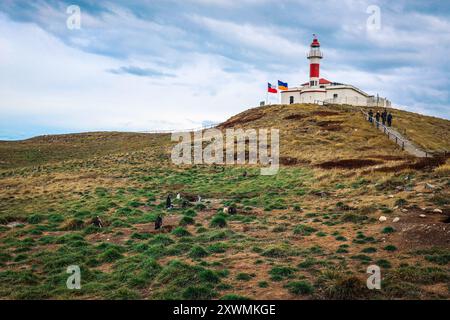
322, 91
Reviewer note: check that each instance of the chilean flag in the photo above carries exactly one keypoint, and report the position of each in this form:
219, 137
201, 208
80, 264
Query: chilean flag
271, 88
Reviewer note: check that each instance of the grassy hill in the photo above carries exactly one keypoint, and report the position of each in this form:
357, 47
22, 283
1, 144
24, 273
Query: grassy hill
55, 148
307, 233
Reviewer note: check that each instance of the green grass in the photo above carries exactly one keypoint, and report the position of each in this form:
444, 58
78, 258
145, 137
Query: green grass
304, 230
287, 232
300, 287
218, 221
281, 272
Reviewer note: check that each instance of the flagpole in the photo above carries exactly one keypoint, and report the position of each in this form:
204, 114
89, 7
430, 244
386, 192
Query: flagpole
279, 96
278, 92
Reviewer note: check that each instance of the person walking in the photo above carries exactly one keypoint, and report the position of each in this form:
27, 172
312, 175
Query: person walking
384, 117
389, 119
371, 116
377, 118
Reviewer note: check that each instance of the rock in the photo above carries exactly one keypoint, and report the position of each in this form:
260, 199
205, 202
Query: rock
423, 209
396, 219
396, 207
429, 186
321, 194
423, 216
405, 210
225, 210
14, 224
390, 196
382, 219
437, 211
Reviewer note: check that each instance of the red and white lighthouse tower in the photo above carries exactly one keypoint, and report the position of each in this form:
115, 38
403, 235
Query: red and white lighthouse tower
314, 56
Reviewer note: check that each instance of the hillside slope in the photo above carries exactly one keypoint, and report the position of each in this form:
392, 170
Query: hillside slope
308, 133
54, 148
308, 232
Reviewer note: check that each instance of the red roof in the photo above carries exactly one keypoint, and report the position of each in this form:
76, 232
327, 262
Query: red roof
315, 43
321, 81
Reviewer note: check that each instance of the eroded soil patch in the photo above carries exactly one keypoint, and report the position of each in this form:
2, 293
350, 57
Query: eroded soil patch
348, 164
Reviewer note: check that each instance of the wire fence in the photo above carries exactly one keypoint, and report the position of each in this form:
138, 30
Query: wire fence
211, 126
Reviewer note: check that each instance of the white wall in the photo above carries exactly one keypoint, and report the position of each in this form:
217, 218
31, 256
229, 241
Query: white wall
345, 96
312, 97
285, 97
305, 97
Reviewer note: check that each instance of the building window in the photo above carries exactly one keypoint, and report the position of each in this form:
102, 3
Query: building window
335, 96
291, 99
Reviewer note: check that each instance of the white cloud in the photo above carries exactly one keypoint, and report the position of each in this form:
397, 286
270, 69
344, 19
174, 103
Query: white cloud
48, 77
257, 37
42, 78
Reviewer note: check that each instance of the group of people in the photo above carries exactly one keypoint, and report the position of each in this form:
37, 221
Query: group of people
385, 117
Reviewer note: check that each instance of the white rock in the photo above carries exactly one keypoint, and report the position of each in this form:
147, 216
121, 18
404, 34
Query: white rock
382, 219
423, 216
404, 210
178, 196
225, 210
14, 224
429, 186
390, 196
437, 211
396, 219
424, 209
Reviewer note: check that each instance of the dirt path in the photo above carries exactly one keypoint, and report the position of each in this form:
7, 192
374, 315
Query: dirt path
398, 138
406, 144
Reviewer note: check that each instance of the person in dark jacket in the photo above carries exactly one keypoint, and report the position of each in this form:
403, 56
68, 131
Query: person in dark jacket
371, 116
384, 117
377, 118
389, 119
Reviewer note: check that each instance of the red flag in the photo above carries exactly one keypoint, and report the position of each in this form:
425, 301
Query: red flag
271, 88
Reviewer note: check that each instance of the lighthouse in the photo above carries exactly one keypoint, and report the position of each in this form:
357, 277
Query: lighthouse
314, 57
322, 91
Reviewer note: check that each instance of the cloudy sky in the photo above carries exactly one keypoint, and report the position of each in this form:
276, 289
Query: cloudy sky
164, 64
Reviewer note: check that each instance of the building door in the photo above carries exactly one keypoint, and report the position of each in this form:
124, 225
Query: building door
291, 99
